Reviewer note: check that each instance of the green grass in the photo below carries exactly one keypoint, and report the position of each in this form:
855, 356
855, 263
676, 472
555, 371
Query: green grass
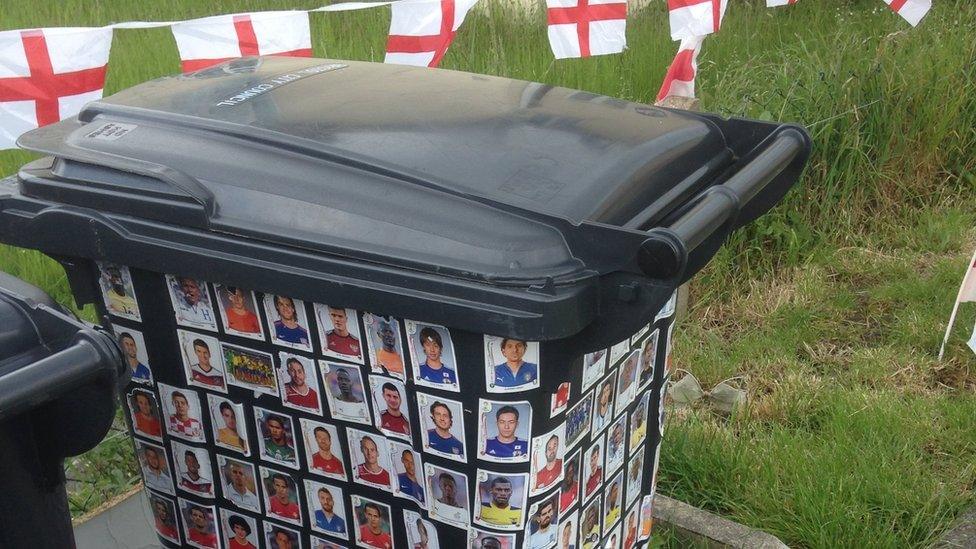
832, 306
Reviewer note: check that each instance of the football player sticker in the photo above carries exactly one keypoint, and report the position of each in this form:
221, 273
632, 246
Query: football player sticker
372, 522
120, 297
344, 389
479, 539
503, 431
191, 302
203, 362
326, 509
338, 330
501, 499
200, 524
408, 467
511, 365
385, 350
323, 449
443, 431
182, 410
547, 460
432, 353
240, 531
421, 534
448, 495
289, 326
134, 351
281, 499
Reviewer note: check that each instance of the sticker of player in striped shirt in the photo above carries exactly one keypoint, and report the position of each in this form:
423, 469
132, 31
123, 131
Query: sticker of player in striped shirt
503, 431
389, 400
182, 410
298, 380
326, 509
120, 297
281, 499
511, 365
370, 456
323, 449
442, 430
448, 492
193, 469
501, 499
203, 362
409, 471
432, 354
421, 534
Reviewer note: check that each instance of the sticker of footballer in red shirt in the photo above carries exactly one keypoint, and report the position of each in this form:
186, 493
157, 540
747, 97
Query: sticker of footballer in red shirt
547, 460
389, 401
279, 537
299, 382
593, 469
281, 499
238, 311
144, 412
164, 517
370, 456
182, 410
240, 531
199, 521
559, 400
569, 487
323, 450
373, 529
203, 362
339, 334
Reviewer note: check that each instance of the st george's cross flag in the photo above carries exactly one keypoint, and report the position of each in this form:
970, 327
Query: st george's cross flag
911, 10
47, 75
421, 32
212, 40
775, 3
680, 78
695, 17
581, 28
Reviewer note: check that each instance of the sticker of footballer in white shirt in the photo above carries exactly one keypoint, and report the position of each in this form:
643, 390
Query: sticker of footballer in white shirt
504, 429
432, 354
193, 469
191, 302
203, 363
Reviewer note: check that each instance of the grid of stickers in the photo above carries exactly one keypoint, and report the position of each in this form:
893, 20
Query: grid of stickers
298, 380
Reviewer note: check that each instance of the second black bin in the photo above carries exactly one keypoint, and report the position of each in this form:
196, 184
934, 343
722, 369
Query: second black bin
385, 306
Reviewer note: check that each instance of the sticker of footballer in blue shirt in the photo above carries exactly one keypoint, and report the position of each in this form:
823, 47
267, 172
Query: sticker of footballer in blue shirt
443, 429
408, 468
326, 509
432, 353
511, 365
504, 431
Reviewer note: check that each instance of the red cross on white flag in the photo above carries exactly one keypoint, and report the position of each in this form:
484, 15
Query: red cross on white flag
680, 78
775, 3
212, 40
47, 75
912, 10
581, 28
421, 32
695, 17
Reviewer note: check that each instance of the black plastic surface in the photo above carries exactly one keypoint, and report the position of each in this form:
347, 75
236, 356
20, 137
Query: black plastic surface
502, 206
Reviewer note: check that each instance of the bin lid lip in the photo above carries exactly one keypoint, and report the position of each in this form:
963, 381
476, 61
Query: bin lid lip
507, 167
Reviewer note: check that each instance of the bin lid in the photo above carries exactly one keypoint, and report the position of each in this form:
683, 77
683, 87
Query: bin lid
433, 169
496, 205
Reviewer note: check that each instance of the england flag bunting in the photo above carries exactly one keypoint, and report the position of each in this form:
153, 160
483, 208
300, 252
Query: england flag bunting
695, 17
911, 10
581, 28
775, 3
47, 75
680, 78
420, 32
212, 40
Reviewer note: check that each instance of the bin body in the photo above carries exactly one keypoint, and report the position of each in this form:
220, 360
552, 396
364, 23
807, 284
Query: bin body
392, 404
379, 306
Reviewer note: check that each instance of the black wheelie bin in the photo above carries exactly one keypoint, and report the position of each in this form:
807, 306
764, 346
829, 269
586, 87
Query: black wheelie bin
382, 306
